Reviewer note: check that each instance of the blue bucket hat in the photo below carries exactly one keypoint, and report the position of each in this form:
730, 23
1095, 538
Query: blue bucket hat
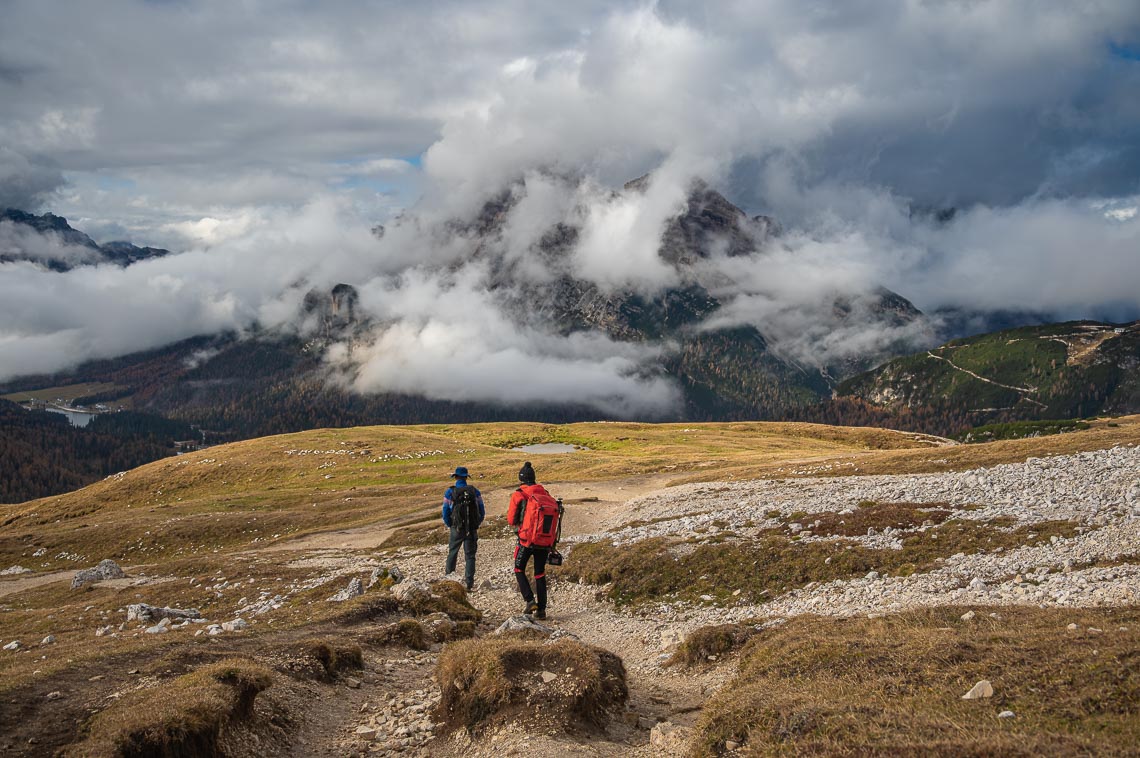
460, 472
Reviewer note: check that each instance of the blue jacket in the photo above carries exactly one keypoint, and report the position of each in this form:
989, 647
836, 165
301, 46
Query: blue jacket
447, 504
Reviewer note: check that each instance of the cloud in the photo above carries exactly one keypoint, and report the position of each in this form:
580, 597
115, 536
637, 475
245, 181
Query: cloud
454, 341
25, 185
267, 141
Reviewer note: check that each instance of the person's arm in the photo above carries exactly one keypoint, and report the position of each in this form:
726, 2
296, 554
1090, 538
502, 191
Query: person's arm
447, 506
482, 510
514, 514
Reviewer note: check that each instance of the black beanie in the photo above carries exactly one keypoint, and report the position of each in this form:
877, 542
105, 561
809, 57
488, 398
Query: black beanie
526, 473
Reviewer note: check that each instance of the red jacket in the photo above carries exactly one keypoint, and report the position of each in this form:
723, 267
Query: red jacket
517, 507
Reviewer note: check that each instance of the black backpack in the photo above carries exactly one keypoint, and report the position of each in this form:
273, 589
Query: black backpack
464, 510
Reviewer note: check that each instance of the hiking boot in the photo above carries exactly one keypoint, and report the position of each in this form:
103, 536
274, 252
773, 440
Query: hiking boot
471, 588
540, 614
531, 607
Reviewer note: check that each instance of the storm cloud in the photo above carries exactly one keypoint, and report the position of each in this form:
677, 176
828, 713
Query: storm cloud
265, 141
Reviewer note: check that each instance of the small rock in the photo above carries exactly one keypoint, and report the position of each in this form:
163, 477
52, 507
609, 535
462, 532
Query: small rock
977, 584
107, 569
236, 625
968, 615
872, 575
13, 570
520, 622
366, 731
707, 598
13, 645
669, 737
1006, 715
48, 640
354, 589
548, 677
486, 585
162, 627
980, 690
1072, 627
671, 639
410, 588
731, 745
56, 695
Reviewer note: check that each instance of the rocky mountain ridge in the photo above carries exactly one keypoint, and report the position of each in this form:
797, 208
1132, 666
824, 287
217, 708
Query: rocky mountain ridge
71, 247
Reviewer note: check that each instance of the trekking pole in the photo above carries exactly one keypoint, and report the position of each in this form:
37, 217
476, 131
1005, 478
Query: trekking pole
561, 510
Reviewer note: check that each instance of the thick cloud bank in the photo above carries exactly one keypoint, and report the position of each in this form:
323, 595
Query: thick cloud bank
266, 143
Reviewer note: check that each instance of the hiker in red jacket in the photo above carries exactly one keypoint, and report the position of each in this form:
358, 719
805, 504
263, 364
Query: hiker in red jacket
536, 515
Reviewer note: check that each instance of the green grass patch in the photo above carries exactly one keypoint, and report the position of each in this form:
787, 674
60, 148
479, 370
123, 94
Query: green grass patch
1016, 430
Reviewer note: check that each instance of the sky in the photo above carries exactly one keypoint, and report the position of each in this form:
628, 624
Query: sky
262, 141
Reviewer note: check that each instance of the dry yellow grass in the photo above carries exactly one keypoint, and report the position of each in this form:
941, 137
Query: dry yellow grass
894, 685
489, 680
183, 717
213, 513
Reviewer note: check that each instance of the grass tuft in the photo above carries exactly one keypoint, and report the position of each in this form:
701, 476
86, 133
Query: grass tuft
714, 640
407, 633
184, 717
493, 680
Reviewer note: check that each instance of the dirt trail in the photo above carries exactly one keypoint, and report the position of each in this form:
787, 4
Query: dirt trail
656, 694
1023, 390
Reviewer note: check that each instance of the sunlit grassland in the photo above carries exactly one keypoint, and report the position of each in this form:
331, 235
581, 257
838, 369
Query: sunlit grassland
66, 392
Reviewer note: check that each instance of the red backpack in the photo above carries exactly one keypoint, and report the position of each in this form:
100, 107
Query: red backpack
540, 520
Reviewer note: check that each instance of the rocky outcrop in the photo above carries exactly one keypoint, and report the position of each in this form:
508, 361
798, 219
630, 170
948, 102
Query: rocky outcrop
146, 613
50, 241
107, 569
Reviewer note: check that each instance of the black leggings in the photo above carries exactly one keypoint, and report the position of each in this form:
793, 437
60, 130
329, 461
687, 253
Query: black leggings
522, 555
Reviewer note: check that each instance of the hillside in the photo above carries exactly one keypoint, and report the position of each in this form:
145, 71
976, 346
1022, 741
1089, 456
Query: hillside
43, 453
670, 529
1058, 371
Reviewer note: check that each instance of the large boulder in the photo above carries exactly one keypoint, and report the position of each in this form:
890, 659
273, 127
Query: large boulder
107, 569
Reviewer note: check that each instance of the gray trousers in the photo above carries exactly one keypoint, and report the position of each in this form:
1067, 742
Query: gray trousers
470, 543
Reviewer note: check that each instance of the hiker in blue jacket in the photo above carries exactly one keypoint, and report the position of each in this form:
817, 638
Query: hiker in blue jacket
463, 512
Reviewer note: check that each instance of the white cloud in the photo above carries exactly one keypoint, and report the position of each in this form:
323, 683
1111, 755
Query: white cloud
267, 141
